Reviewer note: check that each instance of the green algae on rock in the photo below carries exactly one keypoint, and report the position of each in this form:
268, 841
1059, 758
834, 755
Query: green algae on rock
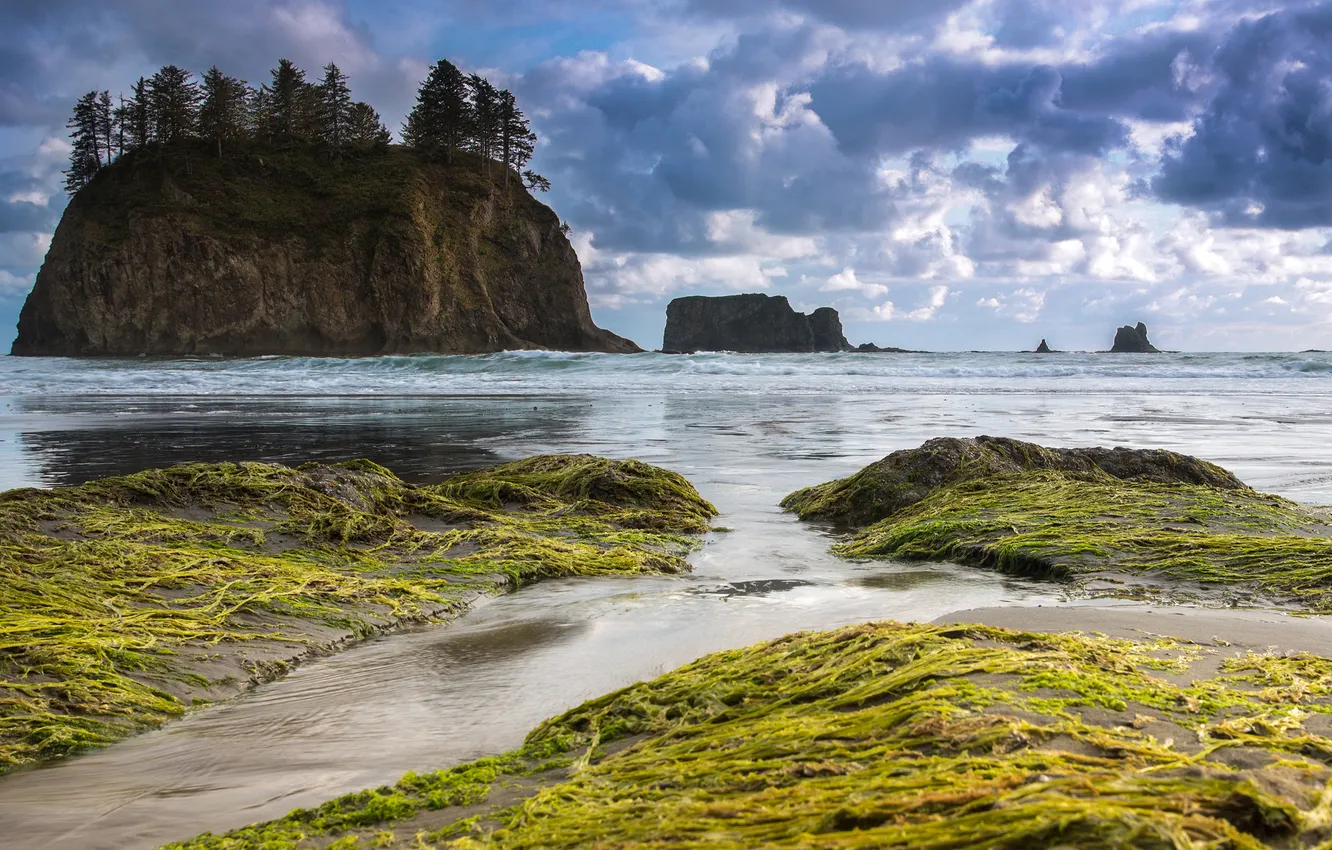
124, 599
890, 735
1080, 513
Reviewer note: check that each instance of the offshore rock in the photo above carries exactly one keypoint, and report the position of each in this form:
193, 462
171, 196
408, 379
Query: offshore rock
751, 323
826, 327
177, 252
1044, 348
1133, 340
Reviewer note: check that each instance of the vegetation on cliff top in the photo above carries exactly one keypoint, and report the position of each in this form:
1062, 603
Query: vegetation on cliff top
1073, 513
889, 735
453, 113
111, 591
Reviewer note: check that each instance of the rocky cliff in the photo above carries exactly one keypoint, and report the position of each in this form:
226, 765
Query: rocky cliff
750, 323
179, 252
1133, 340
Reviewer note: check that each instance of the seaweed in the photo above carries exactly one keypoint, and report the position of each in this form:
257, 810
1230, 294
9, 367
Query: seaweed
908, 736
1052, 520
108, 588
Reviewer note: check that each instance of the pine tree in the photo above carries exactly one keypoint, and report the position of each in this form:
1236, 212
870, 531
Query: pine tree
105, 126
256, 116
174, 99
485, 136
532, 180
291, 105
121, 118
139, 126
84, 161
335, 106
364, 128
223, 117
517, 141
442, 117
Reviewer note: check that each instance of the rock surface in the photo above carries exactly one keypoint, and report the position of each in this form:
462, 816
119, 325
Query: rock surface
906, 477
179, 253
751, 323
1043, 348
1133, 340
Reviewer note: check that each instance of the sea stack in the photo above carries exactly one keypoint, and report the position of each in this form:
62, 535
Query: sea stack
388, 252
751, 323
1043, 348
1133, 340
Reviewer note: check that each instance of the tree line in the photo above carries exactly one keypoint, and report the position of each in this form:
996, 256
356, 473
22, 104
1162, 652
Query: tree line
453, 112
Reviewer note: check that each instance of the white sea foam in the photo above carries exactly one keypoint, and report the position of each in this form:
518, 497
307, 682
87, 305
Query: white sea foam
539, 372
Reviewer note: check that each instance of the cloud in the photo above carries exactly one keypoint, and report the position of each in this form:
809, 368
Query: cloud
1260, 154
846, 281
936, 297
1022, 305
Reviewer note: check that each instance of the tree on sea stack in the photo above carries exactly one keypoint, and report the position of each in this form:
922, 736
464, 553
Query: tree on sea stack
222, 117
487, 119
85, 137
441, 120
364, 127
174, 100
532, 180
105, 117
517, 141
138, 116
335, 105
289, 105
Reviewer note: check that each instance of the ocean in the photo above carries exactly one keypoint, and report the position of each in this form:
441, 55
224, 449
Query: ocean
746, 429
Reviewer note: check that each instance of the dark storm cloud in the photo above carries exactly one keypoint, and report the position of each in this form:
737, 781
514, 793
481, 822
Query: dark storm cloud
56, 49
898, 14
644, 157
1261, 152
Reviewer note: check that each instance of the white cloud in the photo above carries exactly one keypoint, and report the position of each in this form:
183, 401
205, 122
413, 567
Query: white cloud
889, 312
846, 280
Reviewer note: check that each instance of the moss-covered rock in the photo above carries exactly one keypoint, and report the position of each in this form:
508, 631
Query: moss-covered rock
1079, 513
905, 477
118, 596
890, 736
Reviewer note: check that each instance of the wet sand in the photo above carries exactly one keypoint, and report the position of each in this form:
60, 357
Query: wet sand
1239, 630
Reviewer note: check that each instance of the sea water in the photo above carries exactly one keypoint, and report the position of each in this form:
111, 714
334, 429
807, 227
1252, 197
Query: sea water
746, 429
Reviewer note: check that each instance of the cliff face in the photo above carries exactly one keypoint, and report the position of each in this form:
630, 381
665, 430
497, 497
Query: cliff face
178, 252
749, 323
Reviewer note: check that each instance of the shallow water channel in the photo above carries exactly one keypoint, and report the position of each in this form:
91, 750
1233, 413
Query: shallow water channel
438, 696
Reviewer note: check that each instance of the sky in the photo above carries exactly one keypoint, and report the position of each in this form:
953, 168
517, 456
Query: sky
948, 174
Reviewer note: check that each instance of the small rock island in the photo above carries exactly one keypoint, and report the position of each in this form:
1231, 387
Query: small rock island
1133, 340
751, 323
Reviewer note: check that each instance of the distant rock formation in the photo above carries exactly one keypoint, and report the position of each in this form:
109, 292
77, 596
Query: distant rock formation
385, 254
826, 326
1043, 348
1133, 340
751, 323
871, 348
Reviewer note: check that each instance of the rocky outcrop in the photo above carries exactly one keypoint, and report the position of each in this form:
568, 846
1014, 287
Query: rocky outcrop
1044, 348
178, 252
826, 327
1133, 340
871, 348
752, 323
906, 477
